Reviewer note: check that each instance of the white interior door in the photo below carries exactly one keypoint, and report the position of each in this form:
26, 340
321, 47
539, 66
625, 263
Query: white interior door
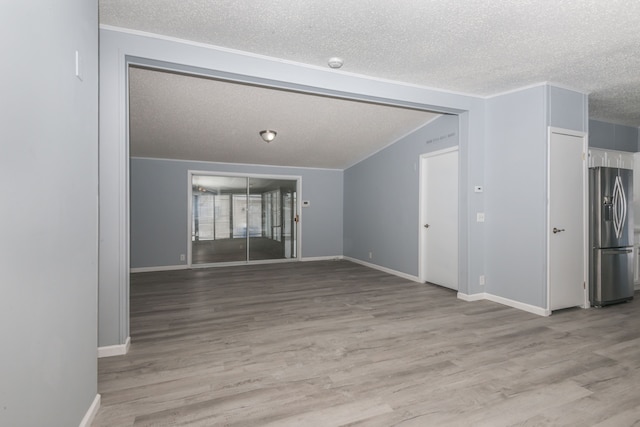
439, 227
567, 213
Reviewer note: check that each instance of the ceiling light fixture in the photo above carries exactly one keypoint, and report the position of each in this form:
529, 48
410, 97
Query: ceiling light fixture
336, 62
268, 135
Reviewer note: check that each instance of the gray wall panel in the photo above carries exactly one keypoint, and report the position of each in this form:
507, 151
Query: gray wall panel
382, 201
612, 136
567, 109
159, 201
158, 213
515, 191
49, 218
322, 222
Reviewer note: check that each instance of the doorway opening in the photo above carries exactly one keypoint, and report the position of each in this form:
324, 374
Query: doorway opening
235, 219
117, 115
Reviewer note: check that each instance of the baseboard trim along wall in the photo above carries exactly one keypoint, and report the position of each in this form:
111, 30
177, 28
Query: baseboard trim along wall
186, 267
91, 412
471, 298
505, 301
322, 258
384, 269
159, 268
114, 350
465, 297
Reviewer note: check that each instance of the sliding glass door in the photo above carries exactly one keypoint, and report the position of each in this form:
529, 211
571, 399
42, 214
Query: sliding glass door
241, 219
271, 218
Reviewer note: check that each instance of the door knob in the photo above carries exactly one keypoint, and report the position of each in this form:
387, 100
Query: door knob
426, 226
557, 230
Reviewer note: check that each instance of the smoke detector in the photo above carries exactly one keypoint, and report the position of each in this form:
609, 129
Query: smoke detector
336, 62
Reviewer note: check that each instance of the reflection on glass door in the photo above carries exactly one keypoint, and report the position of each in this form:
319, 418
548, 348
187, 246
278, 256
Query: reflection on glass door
238, 219
271, 218
218, 219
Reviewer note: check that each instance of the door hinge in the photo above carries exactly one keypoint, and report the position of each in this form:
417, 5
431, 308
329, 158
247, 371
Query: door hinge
584, 285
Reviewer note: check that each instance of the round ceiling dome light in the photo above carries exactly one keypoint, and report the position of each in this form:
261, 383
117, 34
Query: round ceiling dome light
336, 62
268, 135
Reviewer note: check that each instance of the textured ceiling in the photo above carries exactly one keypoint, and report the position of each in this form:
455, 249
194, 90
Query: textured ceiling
477, 47
175, 116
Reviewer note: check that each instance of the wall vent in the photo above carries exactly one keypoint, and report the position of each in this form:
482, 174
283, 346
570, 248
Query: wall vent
440, 138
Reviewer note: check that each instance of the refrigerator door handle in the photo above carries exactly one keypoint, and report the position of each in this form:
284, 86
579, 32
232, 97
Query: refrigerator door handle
619, 206
616, 251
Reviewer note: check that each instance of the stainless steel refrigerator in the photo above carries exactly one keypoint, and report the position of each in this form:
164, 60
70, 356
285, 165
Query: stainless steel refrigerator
611, 235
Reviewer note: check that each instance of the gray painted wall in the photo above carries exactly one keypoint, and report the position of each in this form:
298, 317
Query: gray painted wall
515, 192
567, 109
613, 137
48, 219
159, 201
472, 173
381, 199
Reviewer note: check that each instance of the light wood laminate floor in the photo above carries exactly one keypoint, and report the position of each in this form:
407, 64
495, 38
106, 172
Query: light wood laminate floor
335, 343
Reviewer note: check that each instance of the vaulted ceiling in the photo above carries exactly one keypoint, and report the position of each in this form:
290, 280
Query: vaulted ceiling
476, 47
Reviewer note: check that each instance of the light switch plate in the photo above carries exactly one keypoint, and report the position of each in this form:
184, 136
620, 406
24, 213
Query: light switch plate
78, 70
480, 216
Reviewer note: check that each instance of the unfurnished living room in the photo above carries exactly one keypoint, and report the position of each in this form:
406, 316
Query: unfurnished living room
320, 213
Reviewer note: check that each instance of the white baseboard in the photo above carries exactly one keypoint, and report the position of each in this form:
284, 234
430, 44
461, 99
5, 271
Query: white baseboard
519, 305
159, 268
186, 267
384, 269
505, 301
322, 258
115, 350
471, 297
91, 412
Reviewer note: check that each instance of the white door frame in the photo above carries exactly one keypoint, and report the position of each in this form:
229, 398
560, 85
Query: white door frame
298, 224
422, 241
585, 210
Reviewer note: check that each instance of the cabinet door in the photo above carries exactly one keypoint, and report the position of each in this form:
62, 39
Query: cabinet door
597, 157
611, 158
625, 160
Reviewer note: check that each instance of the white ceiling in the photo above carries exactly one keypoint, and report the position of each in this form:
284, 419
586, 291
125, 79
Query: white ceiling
478, 47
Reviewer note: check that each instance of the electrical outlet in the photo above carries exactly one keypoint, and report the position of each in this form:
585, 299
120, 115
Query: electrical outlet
480, 216
482, 279
183, 257
370, 255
